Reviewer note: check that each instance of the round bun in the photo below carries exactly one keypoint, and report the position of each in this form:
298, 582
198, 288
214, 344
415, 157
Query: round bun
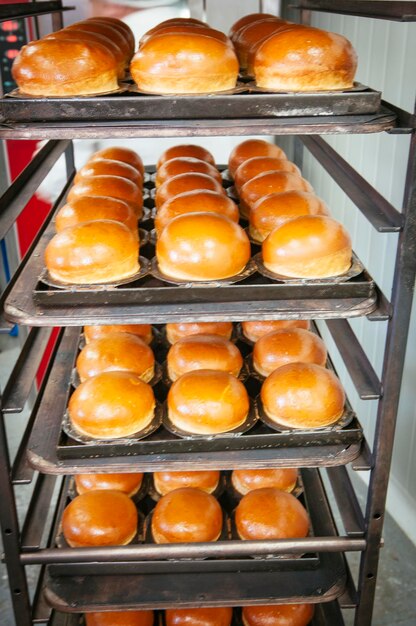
194, 202
189, 29
278, 615
89, 208
254, 330
93, 252
207, 402
202, 247
165, 482
260, 165
174, 332
186, 515
100, 518
111, 405
203, 352
252, 148
41, 68
184, 63
308, 247
288, 345
270, 513
126, 483
267, 183
180, 23
112, 186
109, 167
303, 395
245, 481
185, 165
253, 33
119, 25
116, 352
302, 58
186, 150
182, 183
120, 618
144, 331
118, 153
274, 210
247, 19
93, 26
215, 616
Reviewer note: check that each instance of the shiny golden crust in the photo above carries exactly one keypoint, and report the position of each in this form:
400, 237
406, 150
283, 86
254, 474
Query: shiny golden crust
181, 183
143, 331
253, 33
179, 22
245, 20
185, 165
186, 150
119, 153
259, 165
119, 25
120, 618
89, 208
303, 395
112, 186
126, 483
252, 148
245, 481
165, 482
268, 183
92, 26
215, 616
203, 352
174, 332
109, 167
188, 29
278, 615
254, 330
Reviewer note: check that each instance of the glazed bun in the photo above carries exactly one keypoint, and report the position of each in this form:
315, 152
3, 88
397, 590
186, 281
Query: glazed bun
93, 252
247, 19
116, 352
111, 405
181, 183
119, 25
112, 186
203, 352
270, 513
174, 332
214, 616
252, 33
245, 481
278, 615
288, 345
274, 210
254, 330
186, 515
165, 482
302, 58
100, 518
93, 26
207, 402
180, 23
252, 148
126, 483
267, 183
202, 247
308, 247
303, 395
185, 165
259, 165
195, 202
42, 69
118, 153
189, 29
143, 331
120, 618
109, 167
184, 151
89, 208
184, 63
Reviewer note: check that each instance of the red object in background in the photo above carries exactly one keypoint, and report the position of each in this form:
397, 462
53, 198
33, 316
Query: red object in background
9, 25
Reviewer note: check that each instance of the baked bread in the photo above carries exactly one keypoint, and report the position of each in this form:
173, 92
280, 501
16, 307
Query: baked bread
245, 481
185, 165
254, 330
185, 150
119, 25
109, 167
112, 186
119, 153
203, 352
245, 20
165, 482
143, 331
252, 33
186, 182
267, 183
259, 165
120, 618
174, 332
214, 616
89, 208
252, 148
126, 483
278, 615
93, 26
179, 22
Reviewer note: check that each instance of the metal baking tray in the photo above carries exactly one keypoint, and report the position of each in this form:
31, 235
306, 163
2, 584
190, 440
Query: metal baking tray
50, 451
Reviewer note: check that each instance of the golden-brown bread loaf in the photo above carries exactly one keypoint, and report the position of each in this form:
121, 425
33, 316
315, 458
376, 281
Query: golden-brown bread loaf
194, 202
278, 615
186, 515
111, 405
120, 618
203, 352
244, 481
254, 330
119, 153
119, 25
93, 252
109, 167
214, 616
112, 186
312, 246
144, 331
42, 69
259, 165
302, 58
197, 29
174, 332
252, 148
116, 352
272, 211
287, 345
303, 395
186, 150
253, 47
181, 183
184, 63
267, 183
179, 22
93, 26
207, 402
202, 247
89, 208
100, 518
245, 20
126, 483
165, 482
270, 513
252, 33
185, 165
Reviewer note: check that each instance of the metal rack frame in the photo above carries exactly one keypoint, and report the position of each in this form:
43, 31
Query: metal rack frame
26, 545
